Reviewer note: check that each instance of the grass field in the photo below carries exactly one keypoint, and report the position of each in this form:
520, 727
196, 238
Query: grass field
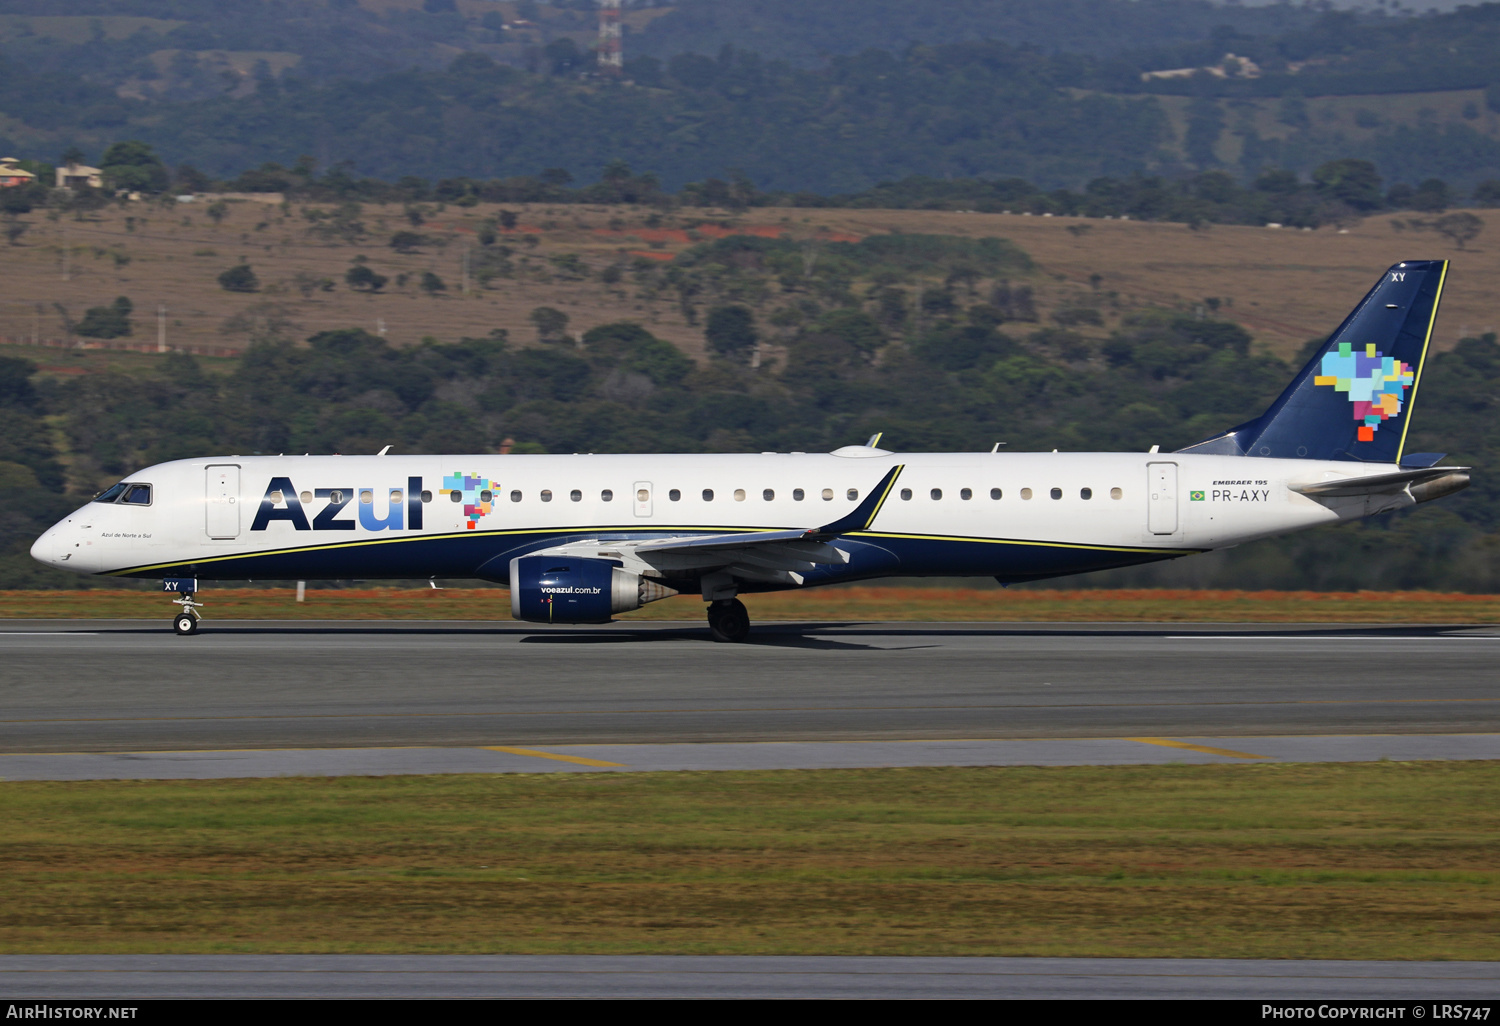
1377, 860
851, 603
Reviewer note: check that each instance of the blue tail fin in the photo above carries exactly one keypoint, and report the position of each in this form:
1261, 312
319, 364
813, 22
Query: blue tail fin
1354, 400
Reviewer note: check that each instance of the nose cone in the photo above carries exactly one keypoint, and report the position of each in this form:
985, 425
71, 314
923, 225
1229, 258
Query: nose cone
44, 549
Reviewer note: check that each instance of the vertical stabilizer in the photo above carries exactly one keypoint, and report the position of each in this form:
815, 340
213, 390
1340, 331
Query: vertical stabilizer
1354, 400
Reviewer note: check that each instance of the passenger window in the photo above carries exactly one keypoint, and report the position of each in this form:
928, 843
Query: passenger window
708, 495
768, 495
111, 493
798, 494
966, 493
395, 497
906, 495
739, 495
515, 496
546, 495
366, 497
1057, 493
853, 494
486, 496
674, 495
1115, 493
1026, 493
827, 494
937, 493
995, 493
576, 495
607, 495
306, 498
426, 496
642, 495
276, 498
455, 495
138, 495
1085, 493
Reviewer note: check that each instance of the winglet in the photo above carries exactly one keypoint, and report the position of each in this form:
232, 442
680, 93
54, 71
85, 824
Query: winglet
864, 514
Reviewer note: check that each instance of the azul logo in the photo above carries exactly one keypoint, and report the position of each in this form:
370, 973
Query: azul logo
1374, 383
380, 509
477, 494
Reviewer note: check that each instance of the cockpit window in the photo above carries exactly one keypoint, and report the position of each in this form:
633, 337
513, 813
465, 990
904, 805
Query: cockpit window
110, 494
137, 495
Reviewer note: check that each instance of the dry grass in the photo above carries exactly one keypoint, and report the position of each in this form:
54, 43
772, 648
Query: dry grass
871, 603
1294, 861
1286, 286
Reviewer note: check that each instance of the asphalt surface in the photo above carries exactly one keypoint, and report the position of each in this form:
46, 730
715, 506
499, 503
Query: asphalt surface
91, 686
122, 977
740, 755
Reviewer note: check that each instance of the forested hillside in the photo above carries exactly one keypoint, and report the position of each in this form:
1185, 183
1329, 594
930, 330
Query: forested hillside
1050, 92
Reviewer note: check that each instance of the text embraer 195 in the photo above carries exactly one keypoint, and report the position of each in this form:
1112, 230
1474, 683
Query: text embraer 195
580, 538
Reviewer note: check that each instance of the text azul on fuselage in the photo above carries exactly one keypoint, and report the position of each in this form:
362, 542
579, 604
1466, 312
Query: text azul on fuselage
401, 512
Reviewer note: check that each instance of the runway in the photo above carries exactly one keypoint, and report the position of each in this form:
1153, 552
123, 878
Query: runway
128, 686
125, 977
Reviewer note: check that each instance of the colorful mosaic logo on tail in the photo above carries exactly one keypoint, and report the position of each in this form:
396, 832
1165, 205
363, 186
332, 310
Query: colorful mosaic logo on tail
478, 494
1375, 384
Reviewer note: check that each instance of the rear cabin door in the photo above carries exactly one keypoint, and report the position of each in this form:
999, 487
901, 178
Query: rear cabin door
222, 497
643, 498
1161, 512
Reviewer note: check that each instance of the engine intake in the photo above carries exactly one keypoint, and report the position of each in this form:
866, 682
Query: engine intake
563, 589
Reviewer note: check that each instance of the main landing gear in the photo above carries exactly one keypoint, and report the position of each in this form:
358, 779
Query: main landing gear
729, 621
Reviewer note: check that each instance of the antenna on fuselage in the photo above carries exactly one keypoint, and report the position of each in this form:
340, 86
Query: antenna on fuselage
874, 440
382, 452
997, 446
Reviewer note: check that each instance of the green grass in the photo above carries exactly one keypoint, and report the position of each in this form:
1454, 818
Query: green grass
1381, 860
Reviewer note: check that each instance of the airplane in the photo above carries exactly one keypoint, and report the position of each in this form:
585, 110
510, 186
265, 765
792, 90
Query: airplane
580, 538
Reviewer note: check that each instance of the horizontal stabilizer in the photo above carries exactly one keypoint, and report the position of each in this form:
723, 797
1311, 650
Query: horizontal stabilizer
1427, 483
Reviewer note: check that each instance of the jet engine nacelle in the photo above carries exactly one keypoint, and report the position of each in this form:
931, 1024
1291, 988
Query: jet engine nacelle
564, 589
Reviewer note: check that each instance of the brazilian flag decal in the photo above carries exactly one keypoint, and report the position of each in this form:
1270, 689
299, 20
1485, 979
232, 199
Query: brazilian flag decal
1195, 496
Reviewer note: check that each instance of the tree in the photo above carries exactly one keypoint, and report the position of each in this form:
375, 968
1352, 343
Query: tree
1459, 228
730, 331
239, 278
217, 211
1355, 182
361, 279
407, 242
1433, 196
432, 284
111, 321
1487, 193
134, 167
551, 324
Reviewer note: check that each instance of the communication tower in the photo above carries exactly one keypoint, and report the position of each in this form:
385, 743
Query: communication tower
611, 55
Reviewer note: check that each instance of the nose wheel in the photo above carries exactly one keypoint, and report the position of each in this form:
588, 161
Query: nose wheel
186, 622
729, 621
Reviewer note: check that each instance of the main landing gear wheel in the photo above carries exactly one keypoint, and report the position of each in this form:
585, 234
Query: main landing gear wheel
729, 621
184, 624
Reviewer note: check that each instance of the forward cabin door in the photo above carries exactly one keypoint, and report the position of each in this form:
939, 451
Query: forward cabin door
223, 500
1161, 510
643, 498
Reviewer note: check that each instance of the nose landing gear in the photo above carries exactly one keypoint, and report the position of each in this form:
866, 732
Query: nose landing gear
729, 621
185, 622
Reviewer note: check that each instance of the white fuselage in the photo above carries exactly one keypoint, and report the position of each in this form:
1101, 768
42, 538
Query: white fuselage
259, 517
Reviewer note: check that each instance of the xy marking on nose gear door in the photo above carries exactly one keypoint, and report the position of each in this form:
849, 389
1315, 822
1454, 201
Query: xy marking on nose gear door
222, 497
1161, 512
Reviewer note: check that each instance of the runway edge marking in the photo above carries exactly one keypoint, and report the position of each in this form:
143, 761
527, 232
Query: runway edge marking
1166, 742
580, 760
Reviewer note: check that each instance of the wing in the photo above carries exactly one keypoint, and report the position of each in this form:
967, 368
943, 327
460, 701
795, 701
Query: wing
780, 557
